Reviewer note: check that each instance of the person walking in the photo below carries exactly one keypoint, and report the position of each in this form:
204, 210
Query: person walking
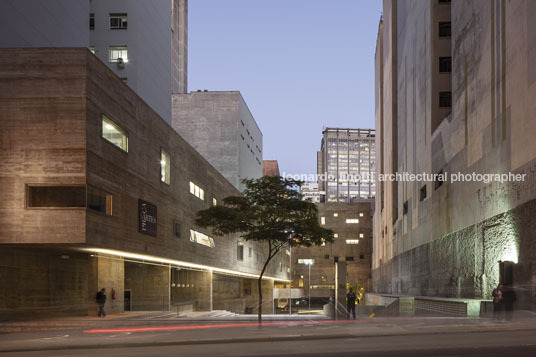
101, 300
497, 302
350, 302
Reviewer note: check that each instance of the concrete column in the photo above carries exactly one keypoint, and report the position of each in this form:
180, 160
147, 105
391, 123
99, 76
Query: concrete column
109, 273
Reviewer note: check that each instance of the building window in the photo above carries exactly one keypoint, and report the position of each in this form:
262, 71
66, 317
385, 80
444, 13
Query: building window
335, 235
326, 256
349, 259
438, 183
214, 201
280, 267
118, 54
361, 256
323, 278
250, 252
444, 29
197, 191
444, 1
92, 49
352, 241
257, 258
322, 220
99, 200
118, 21
352, 220
335, 215
176, 229
423, 193
165, 166
92, 21
201, 238
445, 99
240, 251
114, 134
445, 64
361, 214
56, 197
361, 235
306, 261
405, 208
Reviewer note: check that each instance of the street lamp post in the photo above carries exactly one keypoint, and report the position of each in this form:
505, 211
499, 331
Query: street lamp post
310, 287
290, 231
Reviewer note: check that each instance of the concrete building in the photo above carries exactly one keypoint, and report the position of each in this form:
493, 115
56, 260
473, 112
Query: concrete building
346, 164
455, 90
270, 168
220, 126
145, 43
309, 190
99, 192
351, 252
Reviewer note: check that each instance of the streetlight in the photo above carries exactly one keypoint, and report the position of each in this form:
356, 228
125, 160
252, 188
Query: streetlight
290, 232
309, 263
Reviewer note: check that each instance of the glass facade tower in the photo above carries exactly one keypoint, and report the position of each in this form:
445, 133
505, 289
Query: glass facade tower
347, 163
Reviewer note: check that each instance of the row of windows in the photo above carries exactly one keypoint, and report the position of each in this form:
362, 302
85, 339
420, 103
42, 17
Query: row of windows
116, 54
117, 21
348, 220
119, 137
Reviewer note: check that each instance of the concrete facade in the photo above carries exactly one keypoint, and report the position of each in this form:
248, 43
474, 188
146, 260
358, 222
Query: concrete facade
51, 135
446, 239
270, 168
220, 126
155, 38
357, 257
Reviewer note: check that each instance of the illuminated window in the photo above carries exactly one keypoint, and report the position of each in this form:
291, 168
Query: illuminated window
306, 261
118, 54
287, 252
240, 251
335, 215
99, 200
197, 191
92, 49
352, 220
118, 22
324, 278
335, 235
165, 166
361, 214
352, 241
201, 238
322, 220
361, 235
114, 134
214, 201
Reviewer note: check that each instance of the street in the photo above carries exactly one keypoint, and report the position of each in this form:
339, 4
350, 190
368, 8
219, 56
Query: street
367, 337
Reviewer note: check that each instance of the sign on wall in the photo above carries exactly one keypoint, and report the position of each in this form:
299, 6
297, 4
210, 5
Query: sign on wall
147, 217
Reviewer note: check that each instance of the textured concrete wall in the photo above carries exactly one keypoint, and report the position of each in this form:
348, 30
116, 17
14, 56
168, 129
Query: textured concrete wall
149, 286
222, 129
106, 272
38, 283
490, 130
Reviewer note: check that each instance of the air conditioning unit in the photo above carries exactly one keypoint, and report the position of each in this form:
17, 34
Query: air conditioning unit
120, 63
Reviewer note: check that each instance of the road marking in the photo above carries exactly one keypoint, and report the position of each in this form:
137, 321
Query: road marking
121, 334
51, 338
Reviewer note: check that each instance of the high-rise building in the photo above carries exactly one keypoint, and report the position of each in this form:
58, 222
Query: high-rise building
220, 126
346, 164
309, 191
455, 89
143, 42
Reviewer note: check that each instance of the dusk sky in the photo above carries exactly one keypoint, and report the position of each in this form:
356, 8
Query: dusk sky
300, 65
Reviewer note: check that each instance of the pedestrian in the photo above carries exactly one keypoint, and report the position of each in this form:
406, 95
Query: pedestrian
101, 300
508, 300
350, 302
497, 302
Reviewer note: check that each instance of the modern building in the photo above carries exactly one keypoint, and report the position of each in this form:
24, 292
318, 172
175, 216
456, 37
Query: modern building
351, 252
455, 89
98, 192
346, 164
270, 168
220, 126
309, 191
143, 42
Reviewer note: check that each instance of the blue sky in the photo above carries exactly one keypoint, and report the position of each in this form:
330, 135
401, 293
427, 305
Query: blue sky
301, 65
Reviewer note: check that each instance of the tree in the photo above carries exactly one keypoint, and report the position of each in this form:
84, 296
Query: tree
270, 210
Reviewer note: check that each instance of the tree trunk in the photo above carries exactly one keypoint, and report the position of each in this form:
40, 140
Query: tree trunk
271, 254
259, 316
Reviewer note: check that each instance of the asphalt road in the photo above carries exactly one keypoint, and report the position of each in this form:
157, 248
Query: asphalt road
411, 337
